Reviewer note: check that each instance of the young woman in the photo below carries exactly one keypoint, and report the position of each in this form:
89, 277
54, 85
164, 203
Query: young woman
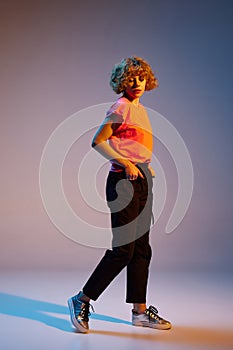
125, 138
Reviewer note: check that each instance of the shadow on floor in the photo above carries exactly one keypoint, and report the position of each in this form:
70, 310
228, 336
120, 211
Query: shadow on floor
182, 336
42, 311
38, 310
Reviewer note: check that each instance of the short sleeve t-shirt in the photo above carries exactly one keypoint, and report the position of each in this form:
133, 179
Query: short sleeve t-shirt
132, 133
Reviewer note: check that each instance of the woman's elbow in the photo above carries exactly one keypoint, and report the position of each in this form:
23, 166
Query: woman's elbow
95, 142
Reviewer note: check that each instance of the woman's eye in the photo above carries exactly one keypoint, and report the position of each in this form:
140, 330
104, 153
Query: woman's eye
141, 78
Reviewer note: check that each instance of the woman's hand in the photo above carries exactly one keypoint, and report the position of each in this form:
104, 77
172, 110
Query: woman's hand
132, 172
151, 171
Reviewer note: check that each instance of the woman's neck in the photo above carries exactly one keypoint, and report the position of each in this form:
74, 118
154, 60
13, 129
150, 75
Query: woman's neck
135, 101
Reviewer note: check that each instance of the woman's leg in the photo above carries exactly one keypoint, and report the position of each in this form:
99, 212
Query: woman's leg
138, 271
138, 267
108, 268
120, 255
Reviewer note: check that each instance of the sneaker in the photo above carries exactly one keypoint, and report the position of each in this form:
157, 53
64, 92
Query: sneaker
79, 312
150, 318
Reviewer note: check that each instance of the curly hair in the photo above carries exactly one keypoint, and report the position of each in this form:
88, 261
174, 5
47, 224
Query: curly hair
128, 68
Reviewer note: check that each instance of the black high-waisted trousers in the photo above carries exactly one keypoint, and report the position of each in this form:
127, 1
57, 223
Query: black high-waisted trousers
130, 203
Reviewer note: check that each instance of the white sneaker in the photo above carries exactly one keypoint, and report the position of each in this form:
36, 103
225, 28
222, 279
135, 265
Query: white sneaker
150, 318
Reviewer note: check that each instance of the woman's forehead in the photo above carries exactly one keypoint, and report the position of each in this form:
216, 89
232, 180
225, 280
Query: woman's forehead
137, 71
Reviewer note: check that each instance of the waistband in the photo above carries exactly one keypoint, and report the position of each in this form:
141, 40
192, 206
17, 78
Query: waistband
118, 168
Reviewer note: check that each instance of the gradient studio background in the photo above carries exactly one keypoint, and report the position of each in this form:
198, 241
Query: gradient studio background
56, 57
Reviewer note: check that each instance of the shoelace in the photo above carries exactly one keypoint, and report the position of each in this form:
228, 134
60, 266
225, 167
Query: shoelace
85, 312
152, 312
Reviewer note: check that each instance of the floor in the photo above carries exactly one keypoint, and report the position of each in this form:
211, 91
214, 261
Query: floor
34, 314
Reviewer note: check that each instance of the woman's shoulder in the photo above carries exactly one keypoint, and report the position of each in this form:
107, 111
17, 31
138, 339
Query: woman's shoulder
120, 106
122, 101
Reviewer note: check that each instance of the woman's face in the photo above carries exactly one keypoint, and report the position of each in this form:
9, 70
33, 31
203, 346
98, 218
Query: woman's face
136, 87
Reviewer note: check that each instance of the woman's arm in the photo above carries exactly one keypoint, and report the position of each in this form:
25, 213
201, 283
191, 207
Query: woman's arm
100, 144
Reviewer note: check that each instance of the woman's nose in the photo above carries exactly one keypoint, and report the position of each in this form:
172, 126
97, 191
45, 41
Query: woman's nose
136, 82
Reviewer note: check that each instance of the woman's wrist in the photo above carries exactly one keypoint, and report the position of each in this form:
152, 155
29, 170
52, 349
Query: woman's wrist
124, 162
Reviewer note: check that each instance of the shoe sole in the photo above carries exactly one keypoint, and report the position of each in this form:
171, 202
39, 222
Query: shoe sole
154, 326
75, 323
